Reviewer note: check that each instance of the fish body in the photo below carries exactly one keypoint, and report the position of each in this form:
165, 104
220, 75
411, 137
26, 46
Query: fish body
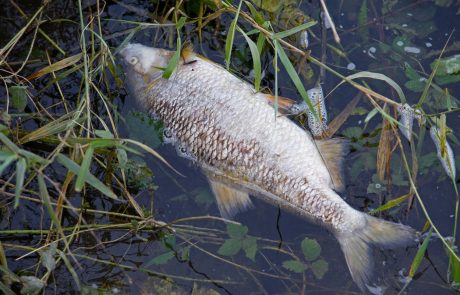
225, 126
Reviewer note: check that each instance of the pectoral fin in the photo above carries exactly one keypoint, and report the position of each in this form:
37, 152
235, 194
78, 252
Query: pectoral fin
229, 200
333, 151
284, 104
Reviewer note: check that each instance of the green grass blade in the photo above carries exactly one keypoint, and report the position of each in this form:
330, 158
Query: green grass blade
255, 60
231, 37
44, 196
378, 76
7, 163
294, 30
175, 59
390, 204
419, 257
90, 178
5, 290
21, 166
84, 169
294, 77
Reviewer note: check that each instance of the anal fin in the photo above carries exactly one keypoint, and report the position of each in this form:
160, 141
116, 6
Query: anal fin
333, 151
229, 199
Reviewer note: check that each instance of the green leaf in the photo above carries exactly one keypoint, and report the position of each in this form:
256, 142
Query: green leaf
363, 22
287, 33
255, 60
104, 134
319, 268
353, 132
21, 166
84, 169
419, 255
122, 158
236, 231
371, 115
231, 37
7, 163
294, 266
230, 247
415, 85
90, 178
311, 249
443, 80
250, 247
411, 73
382, 77
47, 257
390, 204
175, 59
160, 259
447, 66
294, 77
31, 285
18, 96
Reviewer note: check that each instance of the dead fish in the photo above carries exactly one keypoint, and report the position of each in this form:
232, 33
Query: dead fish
231, 131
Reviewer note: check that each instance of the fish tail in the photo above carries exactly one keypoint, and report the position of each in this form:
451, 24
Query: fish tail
356, 245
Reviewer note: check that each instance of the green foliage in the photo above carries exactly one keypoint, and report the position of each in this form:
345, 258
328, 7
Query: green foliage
18, 95
311, 252
238, 240
311, 249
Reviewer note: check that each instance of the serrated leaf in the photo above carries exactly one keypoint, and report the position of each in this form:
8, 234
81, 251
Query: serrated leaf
319, 268
311, 249
230, 247
411, 73
160, 259
447, 66
295, 266
31, 285
250, 247
353, 132
236, 231
18, 96
90, 178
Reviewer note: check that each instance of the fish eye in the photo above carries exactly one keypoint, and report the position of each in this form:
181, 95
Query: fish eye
183, 150
167, 133
133, 60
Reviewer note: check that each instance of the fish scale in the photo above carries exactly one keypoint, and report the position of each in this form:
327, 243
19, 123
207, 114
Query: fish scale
232, 132
175, 102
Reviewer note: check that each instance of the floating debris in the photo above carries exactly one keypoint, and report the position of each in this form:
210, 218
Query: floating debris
447, 157
408, 114
304, 39
351, 66
317, 127
410, 49
407, 120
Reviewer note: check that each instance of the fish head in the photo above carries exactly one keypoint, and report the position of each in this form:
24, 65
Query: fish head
143, 66
143, 60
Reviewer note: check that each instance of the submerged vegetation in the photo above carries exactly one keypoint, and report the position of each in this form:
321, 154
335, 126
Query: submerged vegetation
92, 202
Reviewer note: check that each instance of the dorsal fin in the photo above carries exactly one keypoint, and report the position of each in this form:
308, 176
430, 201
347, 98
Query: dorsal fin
333, 151
229, 200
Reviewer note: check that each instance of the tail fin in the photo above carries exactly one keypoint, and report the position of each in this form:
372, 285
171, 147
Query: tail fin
356, 245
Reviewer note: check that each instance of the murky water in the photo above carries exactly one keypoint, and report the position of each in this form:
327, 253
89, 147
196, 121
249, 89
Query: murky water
381, 44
